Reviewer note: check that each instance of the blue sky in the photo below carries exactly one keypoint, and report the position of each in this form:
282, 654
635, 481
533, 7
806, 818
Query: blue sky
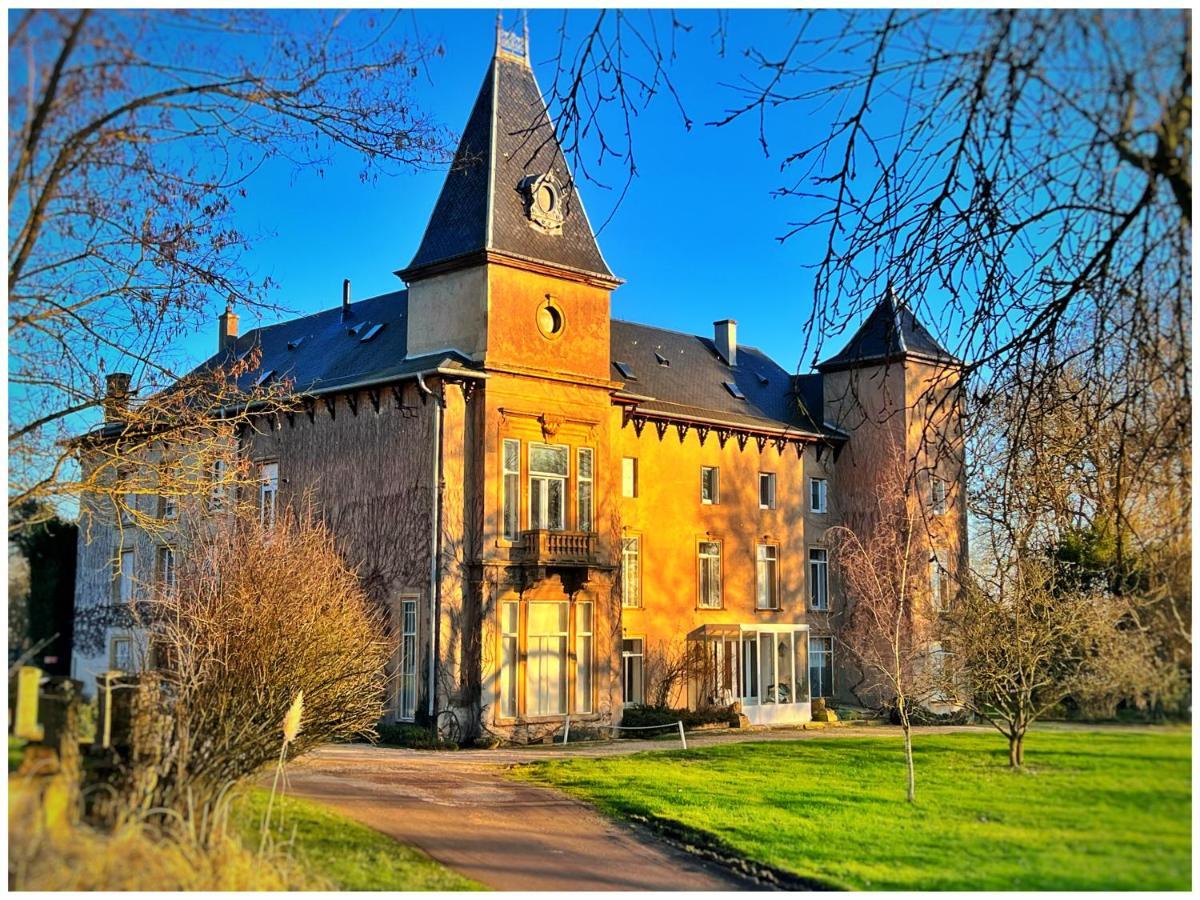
695, 238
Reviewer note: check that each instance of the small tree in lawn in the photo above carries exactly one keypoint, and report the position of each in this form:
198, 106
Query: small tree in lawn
882, 559
1022, 642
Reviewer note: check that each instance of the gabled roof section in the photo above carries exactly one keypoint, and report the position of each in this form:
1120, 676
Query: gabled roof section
891, 332
331, 350
482, 207
696, 383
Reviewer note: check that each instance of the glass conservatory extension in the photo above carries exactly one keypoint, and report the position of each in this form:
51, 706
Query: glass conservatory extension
765, 667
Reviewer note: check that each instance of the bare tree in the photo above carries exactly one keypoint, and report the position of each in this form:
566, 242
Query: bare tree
882, 558
133, 135
253, 615
665, 673
1023, 643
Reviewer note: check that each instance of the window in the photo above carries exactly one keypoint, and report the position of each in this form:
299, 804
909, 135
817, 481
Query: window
710, 575
818, 499
631, 572
818, 578
939, 585
168, 506
166, 568
583, 489
820, 666
937, 489
766, 490
734, 390
750, 666
268, 489
629, 477
626, 371
512, 489
124, 576
406, 700
583, 657
509, 636
768, 576
548, 465
632, 660
216, 498
120, 654
546, 666
710, 484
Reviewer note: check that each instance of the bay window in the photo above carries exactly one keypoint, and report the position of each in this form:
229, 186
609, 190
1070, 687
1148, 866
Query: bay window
511, 461
583, 657
546, 665
548, 464
583, 489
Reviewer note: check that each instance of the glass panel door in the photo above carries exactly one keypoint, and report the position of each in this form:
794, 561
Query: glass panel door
750, 668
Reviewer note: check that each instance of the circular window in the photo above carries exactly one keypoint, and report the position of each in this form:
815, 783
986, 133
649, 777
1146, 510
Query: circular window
547, 199
550, 319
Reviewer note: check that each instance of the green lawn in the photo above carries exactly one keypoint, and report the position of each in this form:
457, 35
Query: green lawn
350, 856
1096, 810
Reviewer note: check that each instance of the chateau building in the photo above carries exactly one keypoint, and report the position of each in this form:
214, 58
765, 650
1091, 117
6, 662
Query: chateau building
559, 507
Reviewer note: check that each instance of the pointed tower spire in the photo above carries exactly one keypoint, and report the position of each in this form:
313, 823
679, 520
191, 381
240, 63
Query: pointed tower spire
509, 192
891, 332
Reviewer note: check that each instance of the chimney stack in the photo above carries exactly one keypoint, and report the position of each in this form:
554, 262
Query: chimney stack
345, 299
725, 337
227, 329
116, 396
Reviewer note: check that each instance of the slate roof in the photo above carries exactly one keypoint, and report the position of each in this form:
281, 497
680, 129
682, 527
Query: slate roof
481, 208
324, 352
891, 332
693, 384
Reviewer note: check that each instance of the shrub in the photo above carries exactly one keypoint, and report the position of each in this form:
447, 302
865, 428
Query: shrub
644, 716
258, 614
412, 736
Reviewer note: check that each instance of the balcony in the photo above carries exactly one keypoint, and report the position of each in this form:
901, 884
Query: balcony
557, 548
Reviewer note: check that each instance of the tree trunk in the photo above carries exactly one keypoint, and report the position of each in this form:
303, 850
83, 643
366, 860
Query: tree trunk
1016, 749
908, 759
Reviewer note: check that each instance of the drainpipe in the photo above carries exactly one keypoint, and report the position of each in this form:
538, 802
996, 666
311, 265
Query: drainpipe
434, 543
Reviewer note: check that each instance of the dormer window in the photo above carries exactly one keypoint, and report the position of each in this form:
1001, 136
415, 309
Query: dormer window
543, 203
626, 371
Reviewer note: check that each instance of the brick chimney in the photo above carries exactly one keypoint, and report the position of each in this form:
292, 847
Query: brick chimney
725, 337
116, 396
227, 329
345, 299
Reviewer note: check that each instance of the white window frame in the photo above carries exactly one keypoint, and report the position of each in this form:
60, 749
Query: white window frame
508, 695
629, 477
268, 491
824, 650
547, 478
406, 660
937, 495
628, 654
120, 640
714, 498
702, 556
216, 497
767, 478
510, 491
631, 574
165, 564
818, 495
548, 644
583, 655
766, 553
818, 579
126, 563
583, 523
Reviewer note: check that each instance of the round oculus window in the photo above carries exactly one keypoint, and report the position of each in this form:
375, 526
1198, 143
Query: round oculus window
547, 197
550, 319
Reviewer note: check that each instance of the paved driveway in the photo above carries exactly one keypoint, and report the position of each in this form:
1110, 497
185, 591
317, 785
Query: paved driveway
505, 834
